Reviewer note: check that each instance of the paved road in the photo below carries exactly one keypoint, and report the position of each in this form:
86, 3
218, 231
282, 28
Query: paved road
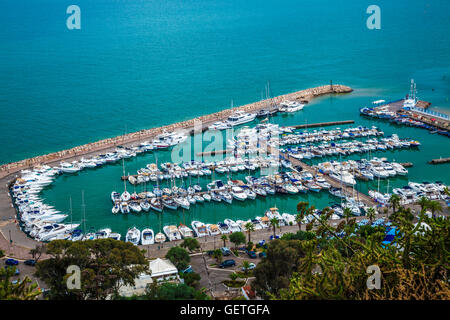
212, 277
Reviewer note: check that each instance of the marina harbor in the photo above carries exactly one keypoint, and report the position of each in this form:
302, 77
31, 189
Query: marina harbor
263, 160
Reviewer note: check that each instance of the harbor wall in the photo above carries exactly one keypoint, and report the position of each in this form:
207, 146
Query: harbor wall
302, 95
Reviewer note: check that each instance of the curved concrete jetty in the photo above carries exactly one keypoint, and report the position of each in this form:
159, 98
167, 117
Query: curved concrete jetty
103, 145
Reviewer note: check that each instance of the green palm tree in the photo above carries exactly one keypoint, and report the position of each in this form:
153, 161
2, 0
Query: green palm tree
246, 266
423, 203
347, 214
217, 254
394, 200
434, 206
446, 191
302, 209
224, 238
275, 224
371, 214
250, 228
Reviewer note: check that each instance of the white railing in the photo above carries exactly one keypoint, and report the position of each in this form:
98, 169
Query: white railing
431, 113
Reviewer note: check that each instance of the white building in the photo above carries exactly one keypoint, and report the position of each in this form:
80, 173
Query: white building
161, 270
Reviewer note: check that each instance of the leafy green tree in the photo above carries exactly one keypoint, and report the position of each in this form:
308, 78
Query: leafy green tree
299, 235
275, 224
191, 244
22, 290
2, 254
217, 254
246, 266
174, 291
250, 228
274, 272
414, 266
233, 276
224, 239
179, 257
105, 265
38, 251
192, 279
237, 238
302, 211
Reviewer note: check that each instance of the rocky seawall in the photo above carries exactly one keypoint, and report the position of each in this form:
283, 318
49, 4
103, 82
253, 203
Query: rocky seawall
301, 96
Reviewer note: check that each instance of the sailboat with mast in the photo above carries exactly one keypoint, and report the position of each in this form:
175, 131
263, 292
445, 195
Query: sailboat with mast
160, 237
125, 196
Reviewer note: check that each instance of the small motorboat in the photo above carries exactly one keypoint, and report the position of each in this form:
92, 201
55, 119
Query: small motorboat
160, 237
156, 205
147, 236
126, 196
124, 208
145, 205
199, 228
116, 208
133, 236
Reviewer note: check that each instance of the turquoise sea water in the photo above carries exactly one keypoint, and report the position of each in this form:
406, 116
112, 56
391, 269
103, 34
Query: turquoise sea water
140, 64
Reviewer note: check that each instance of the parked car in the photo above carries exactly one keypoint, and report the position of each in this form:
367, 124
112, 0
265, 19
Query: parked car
250, 267
228, 263
187, 270
225, 251
262, 254
30, 262
252, 254
11, 262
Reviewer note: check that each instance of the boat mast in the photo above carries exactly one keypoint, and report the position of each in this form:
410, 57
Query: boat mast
123, 168
70, 206
84, 210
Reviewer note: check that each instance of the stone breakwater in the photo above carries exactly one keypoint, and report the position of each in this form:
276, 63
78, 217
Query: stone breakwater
303, 95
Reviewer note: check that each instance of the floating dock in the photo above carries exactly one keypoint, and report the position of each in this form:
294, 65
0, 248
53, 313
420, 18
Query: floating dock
439, 161
322, 124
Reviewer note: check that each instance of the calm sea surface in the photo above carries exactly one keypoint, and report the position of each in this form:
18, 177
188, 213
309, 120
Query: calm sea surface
140, 64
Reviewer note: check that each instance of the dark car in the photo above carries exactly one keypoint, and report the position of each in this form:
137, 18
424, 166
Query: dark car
262, 254
11, 262
228, 263
30, 262
252, 254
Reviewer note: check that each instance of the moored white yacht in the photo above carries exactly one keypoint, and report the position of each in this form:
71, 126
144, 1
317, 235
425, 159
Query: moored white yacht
147, 236
133, 235
199, 228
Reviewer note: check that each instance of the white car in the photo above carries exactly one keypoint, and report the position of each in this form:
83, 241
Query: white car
250, 267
